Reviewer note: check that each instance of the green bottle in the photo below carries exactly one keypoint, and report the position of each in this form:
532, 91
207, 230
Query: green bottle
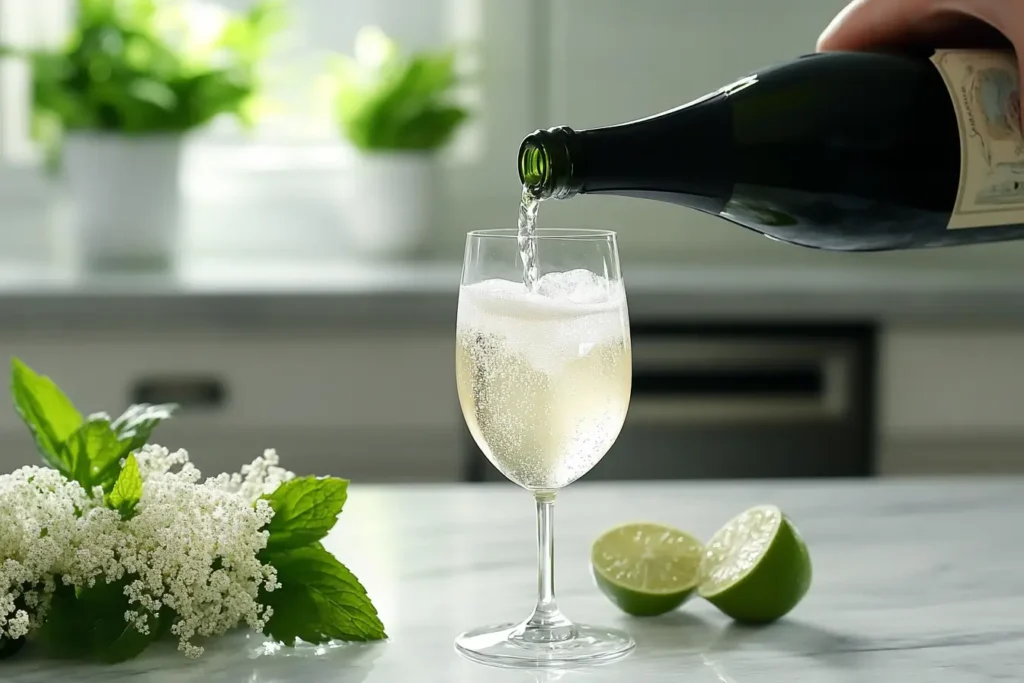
841, 151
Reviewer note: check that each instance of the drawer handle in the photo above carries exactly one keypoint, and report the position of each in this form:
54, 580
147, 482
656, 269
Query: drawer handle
189, 393
805, 381
795, 391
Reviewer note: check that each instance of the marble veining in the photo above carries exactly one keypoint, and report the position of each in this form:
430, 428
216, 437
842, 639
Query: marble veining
913, 581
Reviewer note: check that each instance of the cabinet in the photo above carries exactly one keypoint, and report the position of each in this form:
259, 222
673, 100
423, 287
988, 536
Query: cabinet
952, 399
363, 405
381, 406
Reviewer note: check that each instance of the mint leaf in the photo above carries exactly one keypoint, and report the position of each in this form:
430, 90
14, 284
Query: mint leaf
48, 413
305, 509
64, 632
137, 423
319, 600
127, 490
126, 434
88, 623
89, 450
9, 648
114, 639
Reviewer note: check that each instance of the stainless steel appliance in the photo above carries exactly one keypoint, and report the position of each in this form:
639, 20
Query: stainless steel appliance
738, 401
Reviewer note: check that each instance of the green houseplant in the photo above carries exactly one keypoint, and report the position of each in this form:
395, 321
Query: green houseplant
398, 111
112, 103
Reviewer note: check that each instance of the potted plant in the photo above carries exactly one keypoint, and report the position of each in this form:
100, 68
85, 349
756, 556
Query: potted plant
112, 104
398, 111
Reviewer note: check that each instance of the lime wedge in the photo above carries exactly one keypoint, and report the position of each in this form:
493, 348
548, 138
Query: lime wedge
646, 569
756, 568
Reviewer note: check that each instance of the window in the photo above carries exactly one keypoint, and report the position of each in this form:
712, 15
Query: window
301, 129
282, 189
23, 24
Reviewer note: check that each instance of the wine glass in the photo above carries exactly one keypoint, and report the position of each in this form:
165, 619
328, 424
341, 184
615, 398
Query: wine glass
544, 375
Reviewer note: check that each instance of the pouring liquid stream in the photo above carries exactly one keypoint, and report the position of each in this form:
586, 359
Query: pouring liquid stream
528, 209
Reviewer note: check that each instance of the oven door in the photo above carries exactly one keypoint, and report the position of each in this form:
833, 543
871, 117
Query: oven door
714, 402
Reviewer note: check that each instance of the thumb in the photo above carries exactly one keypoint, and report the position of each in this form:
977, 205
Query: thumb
874, 24
866, 24
846, 28
882, 24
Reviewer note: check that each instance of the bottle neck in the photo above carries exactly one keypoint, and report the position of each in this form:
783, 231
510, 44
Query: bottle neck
547, 160
682, 156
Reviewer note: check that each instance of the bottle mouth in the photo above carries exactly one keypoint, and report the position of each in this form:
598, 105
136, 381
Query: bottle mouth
534, 165
546, 164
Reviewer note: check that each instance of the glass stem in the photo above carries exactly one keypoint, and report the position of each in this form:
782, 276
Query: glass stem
547, 624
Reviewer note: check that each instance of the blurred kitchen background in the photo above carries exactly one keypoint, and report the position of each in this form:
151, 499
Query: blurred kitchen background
308, 300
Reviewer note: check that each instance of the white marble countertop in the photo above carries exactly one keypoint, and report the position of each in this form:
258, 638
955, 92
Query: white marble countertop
914, 581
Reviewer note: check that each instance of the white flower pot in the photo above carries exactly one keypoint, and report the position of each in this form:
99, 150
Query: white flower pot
392, 204
126, 198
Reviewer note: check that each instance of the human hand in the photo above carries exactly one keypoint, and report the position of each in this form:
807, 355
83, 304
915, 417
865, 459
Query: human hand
902, 24
880, 24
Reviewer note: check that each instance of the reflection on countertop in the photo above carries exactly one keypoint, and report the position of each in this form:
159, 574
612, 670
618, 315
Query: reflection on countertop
913, 581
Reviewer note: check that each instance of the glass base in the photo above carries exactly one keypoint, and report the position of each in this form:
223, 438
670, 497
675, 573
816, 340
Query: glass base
494, 645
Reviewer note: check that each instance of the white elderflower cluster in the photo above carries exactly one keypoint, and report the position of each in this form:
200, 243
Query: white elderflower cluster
190, 546
258, 478
39, 523
203, 565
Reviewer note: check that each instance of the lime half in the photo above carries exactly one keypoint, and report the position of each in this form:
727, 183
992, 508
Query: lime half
646, 569
756, 568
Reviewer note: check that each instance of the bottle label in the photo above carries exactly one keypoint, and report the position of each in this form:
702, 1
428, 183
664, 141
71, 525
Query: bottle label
985, 88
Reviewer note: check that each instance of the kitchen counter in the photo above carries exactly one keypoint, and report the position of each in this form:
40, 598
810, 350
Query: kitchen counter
914, 581
253, 294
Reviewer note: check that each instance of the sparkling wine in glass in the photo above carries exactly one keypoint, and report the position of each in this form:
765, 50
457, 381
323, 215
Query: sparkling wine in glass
544, 374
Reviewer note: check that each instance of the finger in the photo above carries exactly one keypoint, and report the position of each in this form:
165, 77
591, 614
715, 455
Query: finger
864, 24
879, 24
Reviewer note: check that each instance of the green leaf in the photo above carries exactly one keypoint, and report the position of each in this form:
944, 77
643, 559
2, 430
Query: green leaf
112, 638
136, 424
88, 451
48, 413
132, 430
432, 128
88, 623
64, 633
319, 600
128, 490
402, 102
9, 648
305, 509
93, 453
128, 66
